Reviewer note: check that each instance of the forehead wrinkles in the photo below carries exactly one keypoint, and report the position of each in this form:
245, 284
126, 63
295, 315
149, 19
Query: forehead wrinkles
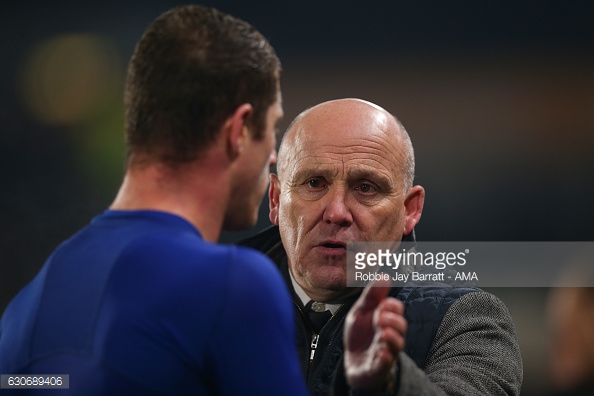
342, 131
346, 155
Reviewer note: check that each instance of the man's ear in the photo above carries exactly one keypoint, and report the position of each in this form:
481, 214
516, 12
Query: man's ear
237, 131
273, 198
413, 206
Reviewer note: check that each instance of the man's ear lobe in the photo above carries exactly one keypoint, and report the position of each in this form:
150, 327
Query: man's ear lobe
273, 198
413, 205
236, 129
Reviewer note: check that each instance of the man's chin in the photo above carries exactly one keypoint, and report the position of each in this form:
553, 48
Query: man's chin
333, 279
240, 223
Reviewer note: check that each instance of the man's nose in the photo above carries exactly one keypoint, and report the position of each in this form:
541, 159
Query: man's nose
337, 210
272, 158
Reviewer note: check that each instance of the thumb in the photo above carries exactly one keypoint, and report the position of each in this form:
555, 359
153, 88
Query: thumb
359, 329
373, 294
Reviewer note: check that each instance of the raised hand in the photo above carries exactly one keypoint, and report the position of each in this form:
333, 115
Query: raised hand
374, 334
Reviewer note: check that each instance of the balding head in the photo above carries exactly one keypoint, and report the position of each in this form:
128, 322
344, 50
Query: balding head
340, 118
345, 171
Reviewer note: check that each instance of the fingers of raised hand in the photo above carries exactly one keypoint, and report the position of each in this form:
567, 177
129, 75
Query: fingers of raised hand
393, 340
389, 320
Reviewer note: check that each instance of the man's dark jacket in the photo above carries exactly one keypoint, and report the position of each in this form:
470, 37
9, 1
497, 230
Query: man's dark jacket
460, 341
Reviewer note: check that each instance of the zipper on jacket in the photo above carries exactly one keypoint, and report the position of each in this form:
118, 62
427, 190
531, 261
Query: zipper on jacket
315, 338
314, 344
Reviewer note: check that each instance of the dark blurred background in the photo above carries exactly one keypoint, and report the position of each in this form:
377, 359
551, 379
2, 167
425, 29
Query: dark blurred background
498, 97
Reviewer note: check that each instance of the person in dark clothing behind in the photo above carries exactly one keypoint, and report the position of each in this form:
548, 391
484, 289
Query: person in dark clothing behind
571, 341
345, 174
570, 317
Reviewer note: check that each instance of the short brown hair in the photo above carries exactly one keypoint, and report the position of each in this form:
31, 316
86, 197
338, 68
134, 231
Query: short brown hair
190, 70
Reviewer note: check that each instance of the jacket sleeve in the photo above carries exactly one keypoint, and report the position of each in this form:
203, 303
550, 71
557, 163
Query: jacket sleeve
475, 352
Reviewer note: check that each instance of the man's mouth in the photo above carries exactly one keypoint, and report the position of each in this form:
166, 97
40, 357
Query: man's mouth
334, 245
332, 248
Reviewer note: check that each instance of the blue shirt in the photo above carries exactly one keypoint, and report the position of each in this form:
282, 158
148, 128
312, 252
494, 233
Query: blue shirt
138, 303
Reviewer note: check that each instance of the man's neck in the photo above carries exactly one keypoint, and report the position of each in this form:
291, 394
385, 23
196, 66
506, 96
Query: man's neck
302, 295
322, 295
198, 193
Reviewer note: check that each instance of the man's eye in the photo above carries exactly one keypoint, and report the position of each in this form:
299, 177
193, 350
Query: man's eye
314, 183
366, 188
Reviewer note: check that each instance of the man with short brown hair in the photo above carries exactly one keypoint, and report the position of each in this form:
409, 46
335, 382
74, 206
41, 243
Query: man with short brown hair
142, 300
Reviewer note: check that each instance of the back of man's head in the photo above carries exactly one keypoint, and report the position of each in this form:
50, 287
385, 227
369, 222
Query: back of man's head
191, 69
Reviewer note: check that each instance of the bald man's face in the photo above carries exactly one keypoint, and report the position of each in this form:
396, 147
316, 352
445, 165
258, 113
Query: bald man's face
340, 181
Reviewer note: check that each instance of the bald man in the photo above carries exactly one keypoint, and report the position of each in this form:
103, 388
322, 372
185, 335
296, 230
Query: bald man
345, 174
